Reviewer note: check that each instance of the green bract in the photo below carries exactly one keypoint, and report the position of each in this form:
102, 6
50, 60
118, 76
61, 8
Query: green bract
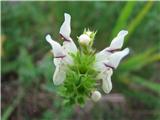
80, 79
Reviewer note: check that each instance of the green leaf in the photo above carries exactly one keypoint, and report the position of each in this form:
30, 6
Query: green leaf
138, 61
146, 83
138, 94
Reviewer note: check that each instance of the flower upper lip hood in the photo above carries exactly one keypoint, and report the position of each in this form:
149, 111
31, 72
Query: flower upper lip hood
65, 29
117, 42
104, 62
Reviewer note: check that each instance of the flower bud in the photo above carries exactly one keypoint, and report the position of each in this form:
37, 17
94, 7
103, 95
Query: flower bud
96, 95
84, 39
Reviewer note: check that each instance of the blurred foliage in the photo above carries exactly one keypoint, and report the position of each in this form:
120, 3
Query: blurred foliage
26, 60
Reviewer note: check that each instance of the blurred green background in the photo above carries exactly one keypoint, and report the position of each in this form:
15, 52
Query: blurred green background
28, 92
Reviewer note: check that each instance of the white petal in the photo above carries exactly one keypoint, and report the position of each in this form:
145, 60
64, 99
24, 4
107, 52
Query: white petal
60, 71
116, 57
96, 95
59, 75
117, 42
106, 80
56, 47
69, 60
101, 58
107, 85
65, 29
69, 46
99, 66
56, 61
102, 55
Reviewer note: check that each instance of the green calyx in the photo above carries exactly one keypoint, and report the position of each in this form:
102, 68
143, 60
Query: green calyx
80, 79
91, 34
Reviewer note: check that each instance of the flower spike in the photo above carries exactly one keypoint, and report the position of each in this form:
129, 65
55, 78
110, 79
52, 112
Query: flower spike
78, 71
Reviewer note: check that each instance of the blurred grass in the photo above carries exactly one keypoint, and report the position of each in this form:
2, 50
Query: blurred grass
27, 62
137, 20
122, 20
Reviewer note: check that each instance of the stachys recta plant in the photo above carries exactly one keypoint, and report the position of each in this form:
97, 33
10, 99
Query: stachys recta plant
80, 72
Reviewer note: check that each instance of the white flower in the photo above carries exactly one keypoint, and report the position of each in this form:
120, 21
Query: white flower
109, 59
96, 95
115, 45
84, 39
65, 32
115, 58
61, 53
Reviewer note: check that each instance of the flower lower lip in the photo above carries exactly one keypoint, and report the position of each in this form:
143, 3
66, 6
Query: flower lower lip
60, 56
113, 50
109, 66
64, 38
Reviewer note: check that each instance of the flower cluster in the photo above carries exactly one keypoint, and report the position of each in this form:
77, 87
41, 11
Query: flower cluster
79, 70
